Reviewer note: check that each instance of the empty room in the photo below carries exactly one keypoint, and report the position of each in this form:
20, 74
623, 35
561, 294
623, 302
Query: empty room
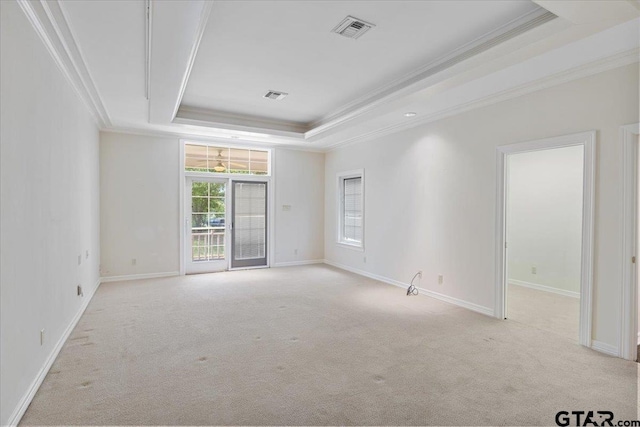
319, 212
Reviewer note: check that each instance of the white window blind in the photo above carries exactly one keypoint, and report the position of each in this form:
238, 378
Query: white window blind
250, 220
352, 210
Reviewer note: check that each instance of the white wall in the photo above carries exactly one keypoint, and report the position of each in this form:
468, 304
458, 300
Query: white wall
140, 204
139, 194
430, 191
544, 217
50, 206
300, 185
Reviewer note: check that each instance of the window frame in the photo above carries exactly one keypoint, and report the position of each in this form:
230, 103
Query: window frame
225, 145
340, 178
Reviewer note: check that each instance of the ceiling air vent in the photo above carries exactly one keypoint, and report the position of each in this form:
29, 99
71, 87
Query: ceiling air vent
272, 94
352, 27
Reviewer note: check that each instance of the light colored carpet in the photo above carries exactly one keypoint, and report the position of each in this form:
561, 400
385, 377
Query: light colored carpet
547, 311
313, 345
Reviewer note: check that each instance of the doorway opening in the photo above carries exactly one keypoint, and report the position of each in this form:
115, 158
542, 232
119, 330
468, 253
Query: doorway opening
544, 238
544, 247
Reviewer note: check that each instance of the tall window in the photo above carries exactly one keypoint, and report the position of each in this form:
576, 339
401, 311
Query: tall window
215, 159
351, 210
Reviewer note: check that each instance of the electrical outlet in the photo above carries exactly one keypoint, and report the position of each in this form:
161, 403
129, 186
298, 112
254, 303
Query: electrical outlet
41, 336
286, 207
420, 274
134, 261
440, 279
79, 259
87, 254
364, 259
295, 252
534, 270
80, 293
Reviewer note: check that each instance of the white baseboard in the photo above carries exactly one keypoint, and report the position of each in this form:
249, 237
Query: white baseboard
609, 349
451, 300
139, 276
544, 288
24, 403
294, 263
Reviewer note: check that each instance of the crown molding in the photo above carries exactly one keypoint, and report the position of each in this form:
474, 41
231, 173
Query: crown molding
222, 118
389, 92
49, 22
411, 82
240, 125
614, 61
204, 138
202, 25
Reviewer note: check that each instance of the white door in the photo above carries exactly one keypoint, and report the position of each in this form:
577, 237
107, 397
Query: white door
206, 225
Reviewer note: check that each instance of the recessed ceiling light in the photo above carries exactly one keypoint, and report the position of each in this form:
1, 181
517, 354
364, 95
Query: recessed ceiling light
234, 137
410, 114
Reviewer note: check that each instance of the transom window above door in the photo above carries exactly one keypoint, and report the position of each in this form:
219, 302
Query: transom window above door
226, 160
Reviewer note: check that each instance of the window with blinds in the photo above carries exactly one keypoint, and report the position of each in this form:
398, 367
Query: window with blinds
226, 160
351, 230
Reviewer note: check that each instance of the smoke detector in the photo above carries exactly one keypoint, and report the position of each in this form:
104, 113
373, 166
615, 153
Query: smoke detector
352, 27
272, 94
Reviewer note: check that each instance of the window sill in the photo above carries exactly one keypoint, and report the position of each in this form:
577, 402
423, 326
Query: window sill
359, 248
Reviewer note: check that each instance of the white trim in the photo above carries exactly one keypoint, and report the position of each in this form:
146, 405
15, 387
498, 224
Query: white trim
544, 288
271, 208
194, 115
629, 224
125, 277
605, 348
269, 179
638, 338
451, 300
599, 66
588, 141
49, 22
211, 266
416, 79
26, 399
341, 177
202, 24
148, 5
294, 263
239, 176
182, 220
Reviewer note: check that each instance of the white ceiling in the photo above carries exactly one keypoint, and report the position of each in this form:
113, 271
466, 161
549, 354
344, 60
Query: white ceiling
250, 47
223, 55
110, 35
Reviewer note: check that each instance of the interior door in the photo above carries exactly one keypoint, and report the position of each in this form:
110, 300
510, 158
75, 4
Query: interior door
249, 224
206, 225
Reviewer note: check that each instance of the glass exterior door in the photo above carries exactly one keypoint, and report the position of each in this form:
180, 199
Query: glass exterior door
249, 227
206, 225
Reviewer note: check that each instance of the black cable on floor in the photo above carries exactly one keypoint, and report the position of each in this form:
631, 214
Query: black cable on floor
412, 290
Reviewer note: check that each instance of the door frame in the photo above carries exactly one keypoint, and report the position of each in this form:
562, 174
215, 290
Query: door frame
187, 222
588, 141
269, 179
629, 298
